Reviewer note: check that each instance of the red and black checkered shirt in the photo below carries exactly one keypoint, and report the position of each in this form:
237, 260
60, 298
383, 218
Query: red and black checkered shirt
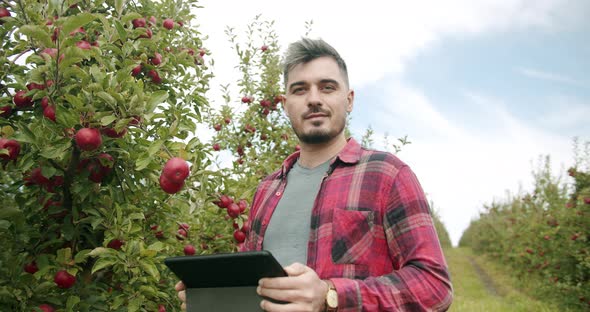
371, 233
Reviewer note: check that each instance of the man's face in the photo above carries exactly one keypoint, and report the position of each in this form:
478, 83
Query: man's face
317, 100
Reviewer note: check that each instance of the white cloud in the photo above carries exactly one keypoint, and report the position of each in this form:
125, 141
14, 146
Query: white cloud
543, 75
462, 169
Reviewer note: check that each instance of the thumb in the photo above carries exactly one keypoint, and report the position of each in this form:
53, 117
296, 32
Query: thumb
295, 269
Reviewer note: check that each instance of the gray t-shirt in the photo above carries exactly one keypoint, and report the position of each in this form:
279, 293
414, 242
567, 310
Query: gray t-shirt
288, 231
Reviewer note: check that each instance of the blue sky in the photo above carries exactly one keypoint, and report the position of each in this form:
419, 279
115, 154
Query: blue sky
482, 88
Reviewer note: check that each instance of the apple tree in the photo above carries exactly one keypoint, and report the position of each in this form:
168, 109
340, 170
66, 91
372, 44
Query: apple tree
98, 106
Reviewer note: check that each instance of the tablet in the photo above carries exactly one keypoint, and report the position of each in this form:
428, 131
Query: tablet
226, 269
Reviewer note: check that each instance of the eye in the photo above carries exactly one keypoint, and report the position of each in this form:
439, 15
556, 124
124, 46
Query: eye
329, 87
297, 91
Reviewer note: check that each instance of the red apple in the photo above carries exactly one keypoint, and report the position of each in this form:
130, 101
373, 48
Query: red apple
184, 226
84, 45
138, 22
35, 86
153, 20
21, 100
243, 204
112, 133
115, 244
5, 111
157, 59
44, 102
31, 268
155, 76
168, 23
189, 250
217, 127
79, 30
136, 70
224, 201
264, 48
147, 35
4, 13
246, 99
176, 170
64, 280
88, 139
246, 227
216, 147
12, 147
36, 177
233, 210
181, 234
49, 112
239, 236
46, 308
227, 120
168, 186
265, 103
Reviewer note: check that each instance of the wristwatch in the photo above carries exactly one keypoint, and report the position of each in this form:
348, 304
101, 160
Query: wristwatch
331, 297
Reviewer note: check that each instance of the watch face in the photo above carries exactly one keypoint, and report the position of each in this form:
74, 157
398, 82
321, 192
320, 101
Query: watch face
332, 299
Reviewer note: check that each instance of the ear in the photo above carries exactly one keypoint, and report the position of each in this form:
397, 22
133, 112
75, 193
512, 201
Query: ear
285, 109
350, 100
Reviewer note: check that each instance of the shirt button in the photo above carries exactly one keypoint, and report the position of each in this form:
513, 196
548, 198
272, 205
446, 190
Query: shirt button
278, 193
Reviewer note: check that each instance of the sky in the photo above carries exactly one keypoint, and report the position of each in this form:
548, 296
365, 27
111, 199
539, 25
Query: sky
482, 89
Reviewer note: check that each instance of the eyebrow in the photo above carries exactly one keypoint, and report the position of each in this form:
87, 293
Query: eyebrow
323, 81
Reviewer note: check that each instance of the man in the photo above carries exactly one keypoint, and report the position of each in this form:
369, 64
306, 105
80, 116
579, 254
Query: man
358, 218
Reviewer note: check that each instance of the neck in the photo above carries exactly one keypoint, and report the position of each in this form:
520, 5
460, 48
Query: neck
313, 155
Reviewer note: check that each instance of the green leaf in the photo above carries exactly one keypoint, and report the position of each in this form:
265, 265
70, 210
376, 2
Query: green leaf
72, 302
37, 33
121, 31
157, 246
100, 251
82, 255
76, 102
107, 120
107, 98
4, 225
64, 255
155, 147
119, 6
155, 99
75, 21
102, 263
143, 162
151, 269
55, 152
48, 171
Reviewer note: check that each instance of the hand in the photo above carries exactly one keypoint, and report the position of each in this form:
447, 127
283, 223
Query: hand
180, 288
303, 289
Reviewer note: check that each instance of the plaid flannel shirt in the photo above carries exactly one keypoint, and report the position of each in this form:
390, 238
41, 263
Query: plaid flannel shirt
371, 233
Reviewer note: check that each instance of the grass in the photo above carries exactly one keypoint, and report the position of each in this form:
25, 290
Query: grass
472, 293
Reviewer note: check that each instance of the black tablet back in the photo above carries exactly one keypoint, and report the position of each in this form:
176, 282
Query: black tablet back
225, 270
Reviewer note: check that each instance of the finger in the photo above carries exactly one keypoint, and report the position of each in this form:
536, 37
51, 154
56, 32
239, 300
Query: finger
277, 307
277, 282
287, 295
296, 269
182, 295
179, 286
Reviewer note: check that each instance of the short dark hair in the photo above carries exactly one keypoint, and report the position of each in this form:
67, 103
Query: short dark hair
306, 50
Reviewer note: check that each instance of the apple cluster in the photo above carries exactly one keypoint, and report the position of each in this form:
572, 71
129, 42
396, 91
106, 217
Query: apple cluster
234, 211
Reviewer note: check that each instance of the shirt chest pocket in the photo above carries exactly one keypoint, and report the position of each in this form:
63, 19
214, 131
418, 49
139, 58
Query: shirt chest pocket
352, 236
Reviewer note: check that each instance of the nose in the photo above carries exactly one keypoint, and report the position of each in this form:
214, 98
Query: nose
314, 97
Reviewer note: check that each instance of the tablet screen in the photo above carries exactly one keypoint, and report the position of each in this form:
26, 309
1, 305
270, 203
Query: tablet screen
225, 270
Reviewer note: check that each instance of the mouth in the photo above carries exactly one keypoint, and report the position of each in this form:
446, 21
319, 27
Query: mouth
315, 115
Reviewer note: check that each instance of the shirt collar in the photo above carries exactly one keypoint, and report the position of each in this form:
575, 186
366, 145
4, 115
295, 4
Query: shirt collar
350, 154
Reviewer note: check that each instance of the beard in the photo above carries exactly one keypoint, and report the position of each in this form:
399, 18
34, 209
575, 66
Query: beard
319, 136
